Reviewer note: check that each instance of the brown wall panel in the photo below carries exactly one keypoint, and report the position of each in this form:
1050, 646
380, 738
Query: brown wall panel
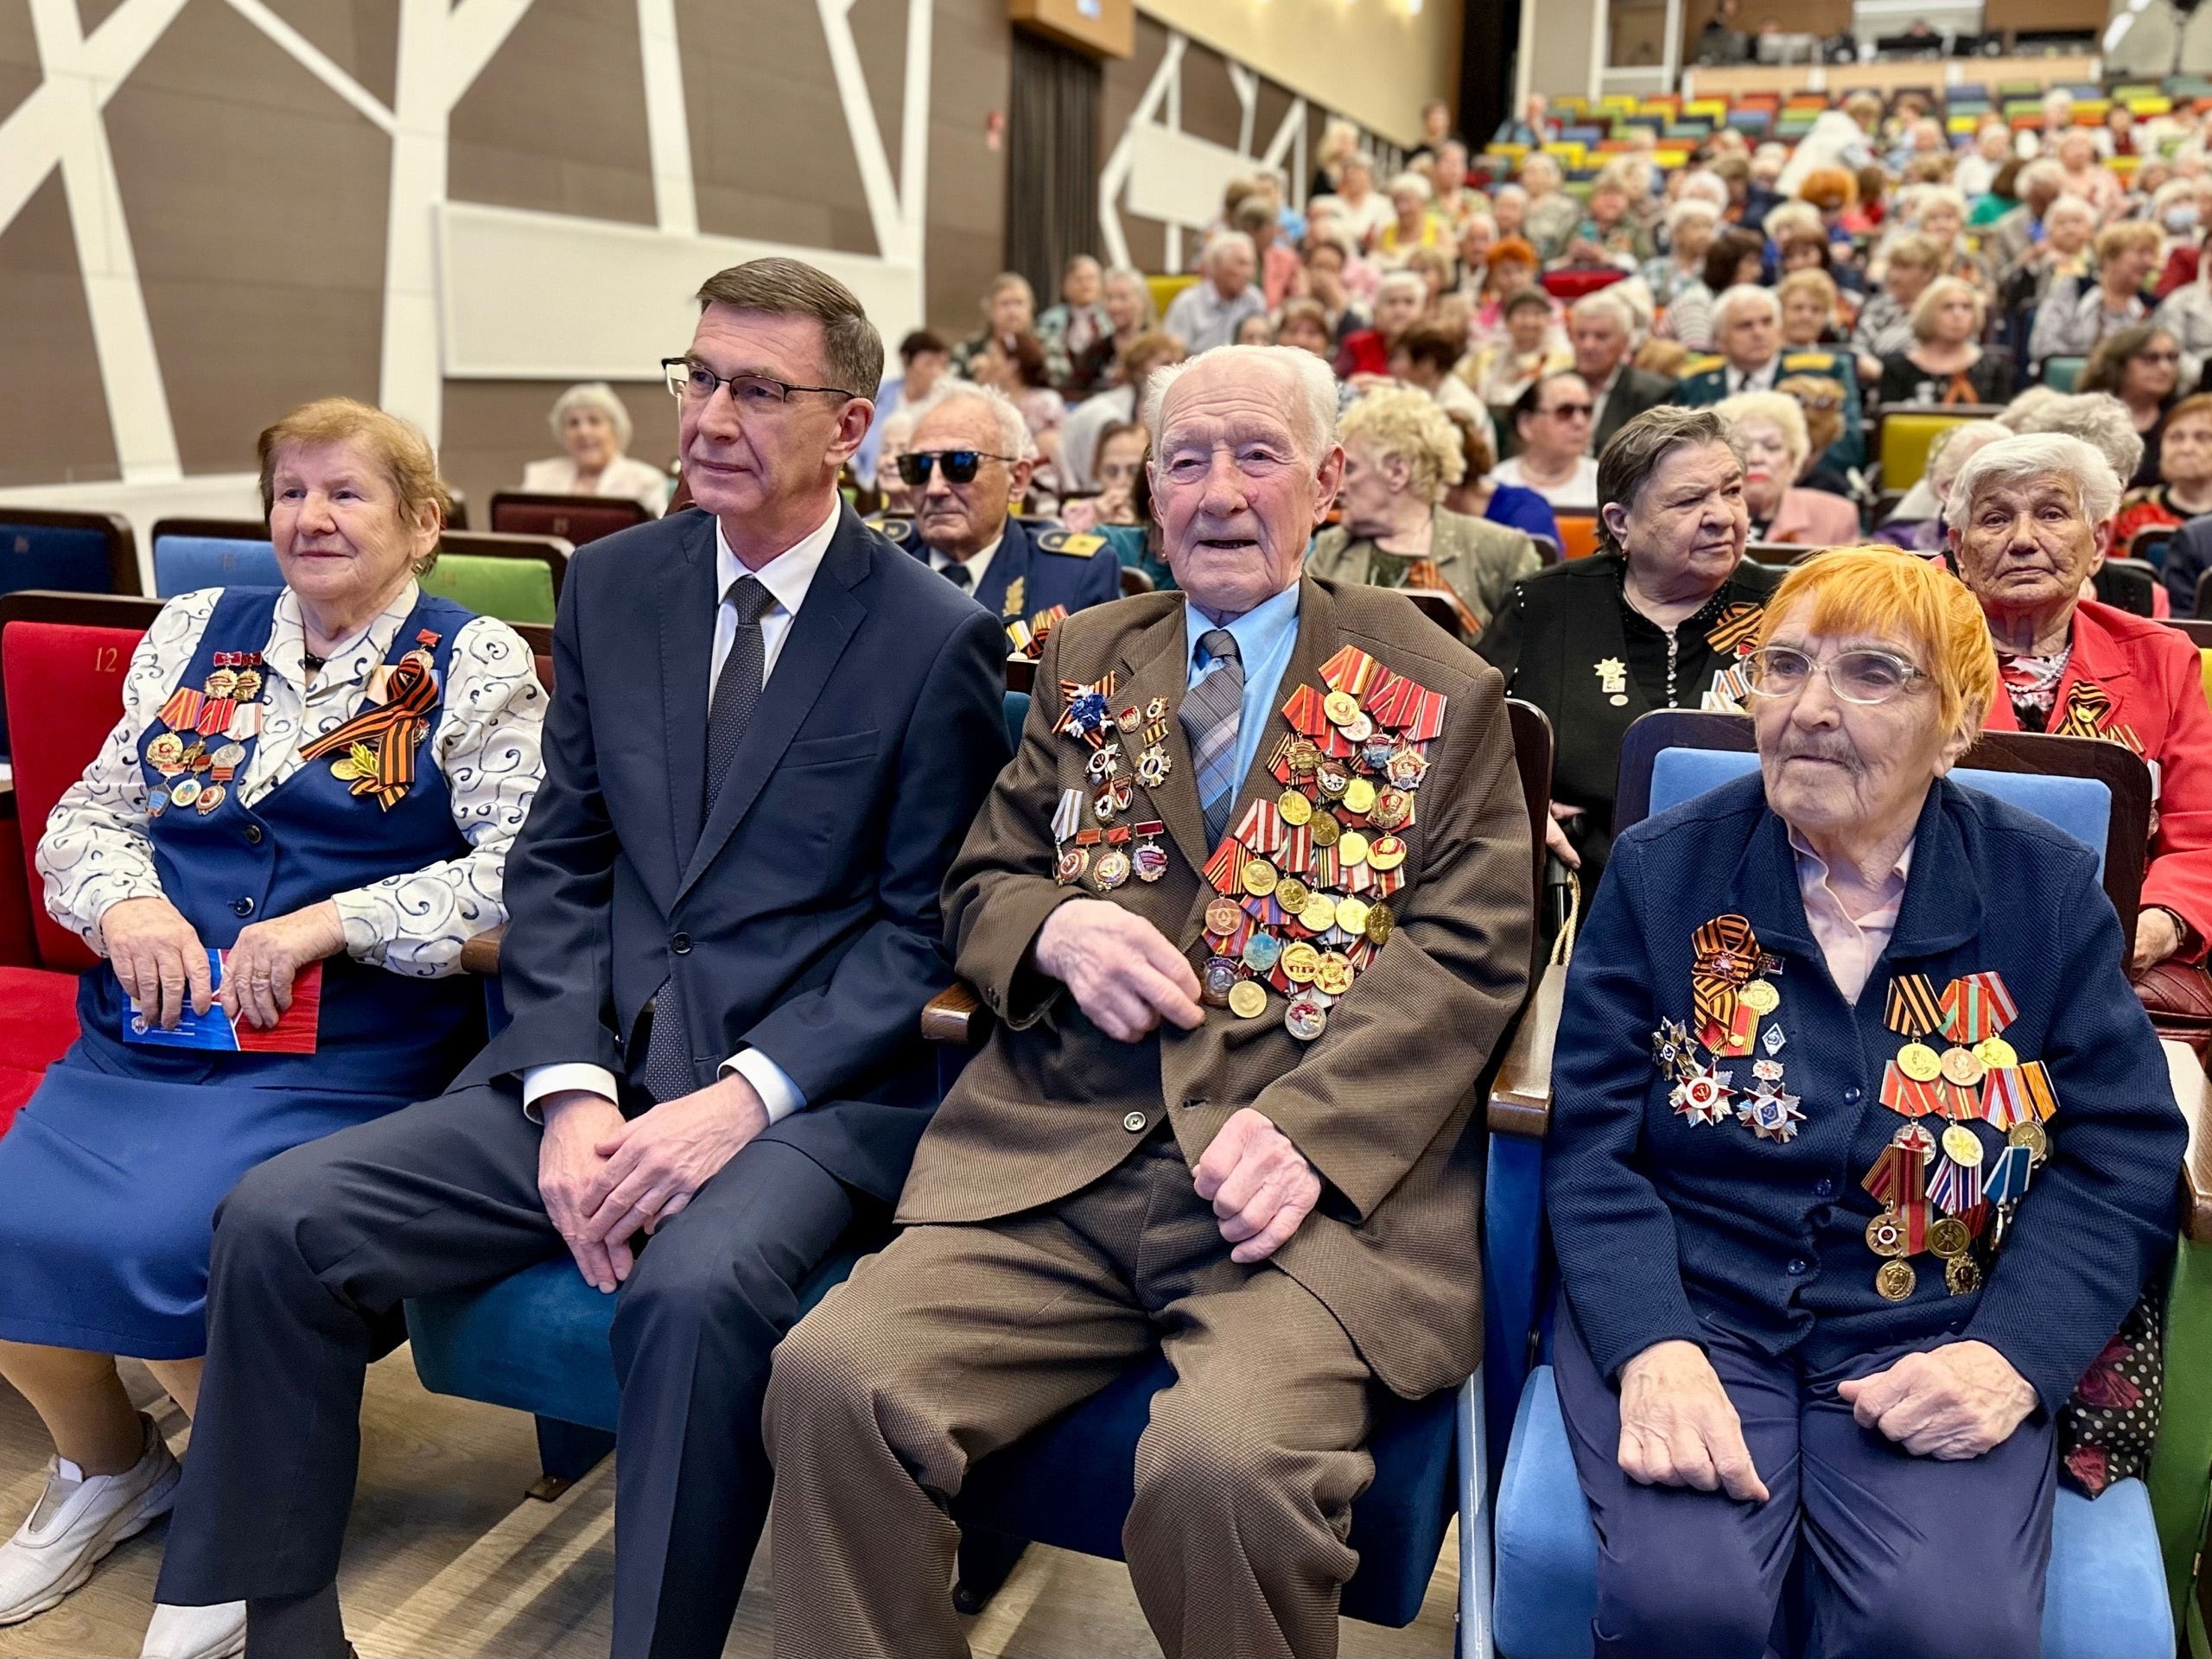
1210, 107
53, 424
969, 63
494, 428
770, 154
19, 72
880, 32
256, 202
577, 62
90, 13
360, 36
1273, 104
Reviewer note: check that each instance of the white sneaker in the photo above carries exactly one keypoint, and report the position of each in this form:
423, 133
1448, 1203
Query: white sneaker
77, 1521
214, 1632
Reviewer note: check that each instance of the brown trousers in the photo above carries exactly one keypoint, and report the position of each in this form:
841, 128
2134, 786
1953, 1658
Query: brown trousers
958, 1340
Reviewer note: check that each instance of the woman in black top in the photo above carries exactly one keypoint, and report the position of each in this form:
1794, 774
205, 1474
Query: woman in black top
1660, 619
2141, 366
1946, 364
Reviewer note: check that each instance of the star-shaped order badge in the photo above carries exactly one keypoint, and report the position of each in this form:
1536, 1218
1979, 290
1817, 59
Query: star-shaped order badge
1702, 1095
1670, 1047
1770, 1114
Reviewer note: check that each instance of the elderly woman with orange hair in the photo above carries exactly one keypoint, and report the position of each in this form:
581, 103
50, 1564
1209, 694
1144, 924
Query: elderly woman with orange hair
1817, 1313
278, 852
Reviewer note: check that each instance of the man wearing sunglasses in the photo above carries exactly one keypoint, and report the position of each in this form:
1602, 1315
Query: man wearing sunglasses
772, 730
967, 467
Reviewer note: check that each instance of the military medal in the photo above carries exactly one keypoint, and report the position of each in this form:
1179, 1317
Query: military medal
166, 754
1351, 915
209, 797
1895, 1280
1149, 857
1613, 681
1319, 912
1304, 1018
1771, 1115
1386, 853
1248, 1000
158, 802
1324, 830
184, 792
1262, 951
1300, 962
1218, 979
1113, 868
1359, 797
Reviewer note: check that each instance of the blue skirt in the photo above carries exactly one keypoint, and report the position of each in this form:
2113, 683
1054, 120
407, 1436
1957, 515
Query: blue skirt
108, 1188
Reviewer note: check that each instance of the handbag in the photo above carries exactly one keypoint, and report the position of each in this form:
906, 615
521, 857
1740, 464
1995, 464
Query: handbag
2109, 1426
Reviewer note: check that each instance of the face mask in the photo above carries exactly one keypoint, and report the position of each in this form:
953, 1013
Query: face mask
2181, 219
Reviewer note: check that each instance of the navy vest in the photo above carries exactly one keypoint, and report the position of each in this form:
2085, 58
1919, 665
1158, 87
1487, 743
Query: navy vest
306, 840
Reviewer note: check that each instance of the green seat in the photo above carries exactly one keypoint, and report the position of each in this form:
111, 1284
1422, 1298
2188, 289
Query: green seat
1903, 441
2060, 373
514, 590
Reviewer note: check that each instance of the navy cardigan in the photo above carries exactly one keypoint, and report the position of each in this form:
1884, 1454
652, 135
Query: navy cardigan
1659, 1223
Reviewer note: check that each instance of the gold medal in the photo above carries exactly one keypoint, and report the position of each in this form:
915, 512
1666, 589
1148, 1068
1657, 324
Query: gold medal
1300, 962
2033, 1137
1294, 807
1995, 1053
1962, 1276
1386, 853
1962, 1146
220, 683
1359, 795
1886, 1234
1961, 1067
1258, 877
1760, 996
1222, 916
249, 685
1291, 893
1351, 849
1918, 1062
1321, 912
1392, 806
1379, 924
1351, 916
1248, 1001
1341, 706
1949, 1238
1895, 1280
1112, 868
166, 754
1324, 829
1305, 755
1334, 975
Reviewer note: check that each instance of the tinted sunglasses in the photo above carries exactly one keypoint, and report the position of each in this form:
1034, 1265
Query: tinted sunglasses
961, 465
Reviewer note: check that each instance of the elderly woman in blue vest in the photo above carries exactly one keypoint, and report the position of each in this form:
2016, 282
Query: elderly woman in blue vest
1863, 1150
303, 813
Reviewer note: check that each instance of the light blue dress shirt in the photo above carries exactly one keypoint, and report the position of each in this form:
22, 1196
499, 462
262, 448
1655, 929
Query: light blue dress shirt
1265, 637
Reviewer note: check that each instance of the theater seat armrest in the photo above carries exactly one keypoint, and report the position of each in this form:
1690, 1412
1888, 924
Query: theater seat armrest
1521, 1096
481, 954
2194, 1096
956, 1015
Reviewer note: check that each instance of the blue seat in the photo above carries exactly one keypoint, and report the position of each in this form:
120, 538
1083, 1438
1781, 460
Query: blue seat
1017, 710
183, 563
2104, 1597
2105, 1591
73, 558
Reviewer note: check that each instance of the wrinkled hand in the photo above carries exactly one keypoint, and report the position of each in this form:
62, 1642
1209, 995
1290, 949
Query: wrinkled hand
657, 1159
258, 971
1556, 840
2157, 936
568, 1164
1259, 1184
158, 959
1950, 1403
1680, 1428
1125, 975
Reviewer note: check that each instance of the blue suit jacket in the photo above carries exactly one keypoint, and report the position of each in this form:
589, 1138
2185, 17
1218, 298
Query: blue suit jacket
801, 917
1659, 1223
1030, 555
1705, 380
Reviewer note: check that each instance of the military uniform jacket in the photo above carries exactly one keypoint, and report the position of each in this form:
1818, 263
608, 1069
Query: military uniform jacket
1037, 567
1382, 1103
1705, 382
1563, 641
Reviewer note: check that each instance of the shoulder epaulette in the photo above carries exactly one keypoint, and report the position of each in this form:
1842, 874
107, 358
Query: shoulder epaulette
1071, 544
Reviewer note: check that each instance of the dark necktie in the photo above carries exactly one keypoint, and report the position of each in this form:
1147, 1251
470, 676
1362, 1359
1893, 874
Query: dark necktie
737, 692
956, 573
1210, 711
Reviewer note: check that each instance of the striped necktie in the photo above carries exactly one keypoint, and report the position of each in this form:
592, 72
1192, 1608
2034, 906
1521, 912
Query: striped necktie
1210, 710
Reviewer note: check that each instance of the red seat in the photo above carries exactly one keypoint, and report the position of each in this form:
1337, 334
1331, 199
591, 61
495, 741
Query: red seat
63, 685
576, 518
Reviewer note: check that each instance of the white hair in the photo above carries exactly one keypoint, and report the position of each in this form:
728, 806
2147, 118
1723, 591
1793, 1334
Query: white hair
592, 394
2043, 170
2073, 207
1734, 299
1014, 431
1953, 447
1414, 182
1706, 185
1403, 278
2032, 455
1536, 160
1791, 215
1943, 195
1316, 383
1687, 207
1220, 242
1505, 190
2098, 419
1605, 303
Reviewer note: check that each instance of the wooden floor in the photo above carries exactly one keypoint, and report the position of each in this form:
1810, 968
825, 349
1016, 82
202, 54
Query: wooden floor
447, 1558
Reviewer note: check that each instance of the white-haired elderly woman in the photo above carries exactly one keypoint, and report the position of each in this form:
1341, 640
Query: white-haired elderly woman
2098, 419
1367, 210
1401, 453
595, 430
1945, 363
1413, 223
2029, 520
1691, 222
1770, 428
1916, 523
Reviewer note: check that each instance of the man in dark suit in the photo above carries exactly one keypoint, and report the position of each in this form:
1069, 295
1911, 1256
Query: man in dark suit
1749, 356
968, 465
771, 730
1603, 328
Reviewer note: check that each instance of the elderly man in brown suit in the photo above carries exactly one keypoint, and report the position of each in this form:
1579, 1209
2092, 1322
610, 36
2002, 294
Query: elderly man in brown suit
1252, 904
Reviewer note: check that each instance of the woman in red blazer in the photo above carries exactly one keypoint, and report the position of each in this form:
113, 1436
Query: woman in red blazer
2029, 520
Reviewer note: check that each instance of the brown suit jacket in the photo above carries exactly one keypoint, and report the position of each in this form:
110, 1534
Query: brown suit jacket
1382, 1103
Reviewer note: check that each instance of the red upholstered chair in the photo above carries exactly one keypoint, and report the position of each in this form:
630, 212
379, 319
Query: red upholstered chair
576, 518
62, 661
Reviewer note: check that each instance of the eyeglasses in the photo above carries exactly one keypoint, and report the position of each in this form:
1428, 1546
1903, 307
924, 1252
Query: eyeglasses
1860, 676
961, 465
693, 382
1570, 411
2157, 356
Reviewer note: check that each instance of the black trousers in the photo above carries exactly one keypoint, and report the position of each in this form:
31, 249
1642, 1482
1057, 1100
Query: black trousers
314, 1247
